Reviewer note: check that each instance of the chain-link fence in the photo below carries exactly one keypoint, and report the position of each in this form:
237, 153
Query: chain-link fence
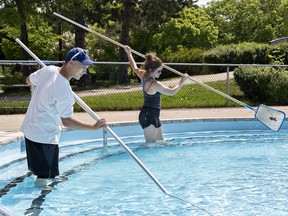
105, 94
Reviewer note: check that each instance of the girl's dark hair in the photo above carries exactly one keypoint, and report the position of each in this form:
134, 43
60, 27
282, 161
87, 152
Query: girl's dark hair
151, 63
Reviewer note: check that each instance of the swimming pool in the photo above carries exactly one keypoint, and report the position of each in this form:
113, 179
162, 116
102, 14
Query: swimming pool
226, 167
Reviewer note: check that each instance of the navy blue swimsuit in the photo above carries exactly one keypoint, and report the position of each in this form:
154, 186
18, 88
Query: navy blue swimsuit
150, 111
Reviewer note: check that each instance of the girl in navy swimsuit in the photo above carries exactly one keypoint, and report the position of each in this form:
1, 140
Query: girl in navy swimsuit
152, 90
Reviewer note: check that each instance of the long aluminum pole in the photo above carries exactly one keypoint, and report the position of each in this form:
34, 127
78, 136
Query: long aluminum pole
165, 66
96, 117
266, 120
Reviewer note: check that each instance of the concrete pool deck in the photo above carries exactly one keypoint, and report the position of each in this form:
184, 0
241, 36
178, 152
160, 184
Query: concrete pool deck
10, 124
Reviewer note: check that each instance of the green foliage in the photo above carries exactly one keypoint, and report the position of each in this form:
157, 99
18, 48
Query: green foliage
6, 13
185, 55
16, 78
10, 50
277, 57
41, 39
263, 84
192, 29
248, 20
9, 79
149, 18
282, 27
243, 53
101, 50
246, 53
278, 54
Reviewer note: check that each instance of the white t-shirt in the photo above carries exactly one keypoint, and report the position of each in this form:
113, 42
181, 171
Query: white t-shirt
51, 100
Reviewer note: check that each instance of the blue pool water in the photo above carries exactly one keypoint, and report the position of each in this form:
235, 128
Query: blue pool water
220, 171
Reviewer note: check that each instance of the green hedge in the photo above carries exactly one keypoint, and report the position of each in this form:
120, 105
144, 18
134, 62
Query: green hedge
244, 53
9, 80
184, 55
263, 84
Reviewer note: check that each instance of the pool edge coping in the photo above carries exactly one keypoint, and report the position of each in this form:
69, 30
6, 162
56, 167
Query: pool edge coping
7, 137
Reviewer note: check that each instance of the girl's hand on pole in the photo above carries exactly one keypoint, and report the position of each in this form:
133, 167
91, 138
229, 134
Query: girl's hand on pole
127, 49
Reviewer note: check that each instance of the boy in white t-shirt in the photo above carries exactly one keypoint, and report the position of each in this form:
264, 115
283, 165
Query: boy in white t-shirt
51, 106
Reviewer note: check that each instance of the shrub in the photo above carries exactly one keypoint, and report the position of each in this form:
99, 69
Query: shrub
244, 53
223, 54
278, 54
10, 80
263, 84
184, 55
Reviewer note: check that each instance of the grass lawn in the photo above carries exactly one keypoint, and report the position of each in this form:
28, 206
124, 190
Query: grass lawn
190, 96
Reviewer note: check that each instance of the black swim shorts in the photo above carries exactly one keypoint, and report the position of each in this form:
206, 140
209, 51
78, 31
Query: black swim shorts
148, 116
42, 159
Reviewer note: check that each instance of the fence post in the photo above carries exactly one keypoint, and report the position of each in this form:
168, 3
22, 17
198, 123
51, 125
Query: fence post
227, 84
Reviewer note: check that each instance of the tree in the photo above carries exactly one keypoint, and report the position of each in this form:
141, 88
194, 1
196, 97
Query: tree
282, 24
145, 17
128, 11
246, 20
24, 34
192, 29
39, 34
76, 10
139, 16
132, 15
21, 19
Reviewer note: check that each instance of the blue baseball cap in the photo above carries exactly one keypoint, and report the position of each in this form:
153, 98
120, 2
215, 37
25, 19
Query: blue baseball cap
80, 55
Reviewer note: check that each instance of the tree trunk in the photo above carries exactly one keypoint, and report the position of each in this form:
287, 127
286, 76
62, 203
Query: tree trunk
60, 42
124, 39
85, 80
24, 34
79, 32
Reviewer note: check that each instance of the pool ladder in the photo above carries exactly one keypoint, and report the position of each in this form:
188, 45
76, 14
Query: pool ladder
105, 137
4, 212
